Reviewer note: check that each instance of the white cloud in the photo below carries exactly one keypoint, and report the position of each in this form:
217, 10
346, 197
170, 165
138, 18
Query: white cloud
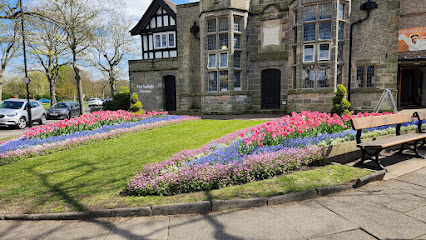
136, 8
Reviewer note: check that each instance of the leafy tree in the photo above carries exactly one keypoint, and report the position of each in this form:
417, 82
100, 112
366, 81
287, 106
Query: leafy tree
10, 36
46, 42
112, 43
75, 18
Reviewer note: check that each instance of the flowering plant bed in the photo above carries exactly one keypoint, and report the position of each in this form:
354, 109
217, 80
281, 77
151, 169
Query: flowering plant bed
82, 130
251, 154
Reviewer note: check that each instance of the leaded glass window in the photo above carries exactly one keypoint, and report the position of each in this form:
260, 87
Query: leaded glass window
223, 79
237, 41
325, 11
211, 42
223, 24
324, 31
223, 41
309, 13
308, 76
323, 76
309, 32
212, 81
308, 53
211, 25
324, 52
237, 59
237, 80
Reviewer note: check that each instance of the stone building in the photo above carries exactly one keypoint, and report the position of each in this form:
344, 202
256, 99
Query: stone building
238, 56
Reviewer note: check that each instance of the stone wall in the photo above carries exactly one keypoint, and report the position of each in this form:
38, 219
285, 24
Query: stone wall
375, 42
314, 100
412, 16
146, 79
225, 103
189, 76
268, 47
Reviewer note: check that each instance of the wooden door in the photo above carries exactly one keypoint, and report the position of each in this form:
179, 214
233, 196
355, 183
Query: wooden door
271, 88
170, 93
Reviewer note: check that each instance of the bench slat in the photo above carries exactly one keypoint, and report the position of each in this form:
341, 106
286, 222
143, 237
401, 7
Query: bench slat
391, 141
377, 121
422, 114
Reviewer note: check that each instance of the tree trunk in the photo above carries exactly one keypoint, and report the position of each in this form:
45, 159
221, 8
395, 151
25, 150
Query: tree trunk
1, 84
52, 91
111, 81
78, 81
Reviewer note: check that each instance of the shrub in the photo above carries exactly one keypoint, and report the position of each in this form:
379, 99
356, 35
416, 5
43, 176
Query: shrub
340, 105
135, 104
120, 101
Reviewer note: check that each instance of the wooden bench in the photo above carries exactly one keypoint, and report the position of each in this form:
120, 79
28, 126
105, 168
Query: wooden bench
374, 147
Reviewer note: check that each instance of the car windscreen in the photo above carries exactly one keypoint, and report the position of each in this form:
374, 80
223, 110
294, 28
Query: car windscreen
93, 99
60, 105
11, 104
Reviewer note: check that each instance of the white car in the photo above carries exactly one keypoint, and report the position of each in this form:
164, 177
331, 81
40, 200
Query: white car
95, 102
13, 112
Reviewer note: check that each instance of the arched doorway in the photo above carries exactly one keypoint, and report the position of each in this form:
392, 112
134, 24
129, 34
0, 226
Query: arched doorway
271, 88
170, 93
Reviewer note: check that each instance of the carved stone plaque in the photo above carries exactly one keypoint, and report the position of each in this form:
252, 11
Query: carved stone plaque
271, 33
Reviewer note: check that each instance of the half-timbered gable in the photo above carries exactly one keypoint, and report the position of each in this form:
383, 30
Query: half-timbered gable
157, 29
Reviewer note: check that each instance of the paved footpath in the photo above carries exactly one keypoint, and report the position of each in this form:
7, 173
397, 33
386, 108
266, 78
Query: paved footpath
393, 209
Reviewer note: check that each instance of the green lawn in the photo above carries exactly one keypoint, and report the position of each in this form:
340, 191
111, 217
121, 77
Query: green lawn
91, 177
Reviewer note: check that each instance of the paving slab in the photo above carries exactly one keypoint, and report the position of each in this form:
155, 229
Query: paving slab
404, 167
310, 219
407, 187
29, 230
260, 223
419, 213
140, 228
418, 177
356, 234
380, 221
81, 230
390, 197
208, 226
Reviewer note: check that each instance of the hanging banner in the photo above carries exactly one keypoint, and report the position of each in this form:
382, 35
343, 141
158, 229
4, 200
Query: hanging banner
412, 39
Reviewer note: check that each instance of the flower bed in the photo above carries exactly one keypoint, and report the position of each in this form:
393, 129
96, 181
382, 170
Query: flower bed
43, 143
250, 154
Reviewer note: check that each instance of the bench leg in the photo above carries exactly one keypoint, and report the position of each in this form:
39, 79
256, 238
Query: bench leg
377, 160
416, 150
401, 149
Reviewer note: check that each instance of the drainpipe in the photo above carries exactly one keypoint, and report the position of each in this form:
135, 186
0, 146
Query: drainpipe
368, 6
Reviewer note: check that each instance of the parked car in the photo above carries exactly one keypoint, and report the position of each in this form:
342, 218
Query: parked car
13, 112
44, 100
62, 110
95, 102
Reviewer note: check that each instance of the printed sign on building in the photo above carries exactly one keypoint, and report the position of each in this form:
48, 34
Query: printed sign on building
412, 39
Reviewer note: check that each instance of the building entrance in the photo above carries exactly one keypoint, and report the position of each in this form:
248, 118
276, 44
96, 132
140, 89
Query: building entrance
170, 93
271, 88
411, 86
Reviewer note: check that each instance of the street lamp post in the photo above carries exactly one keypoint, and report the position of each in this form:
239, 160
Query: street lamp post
26, 79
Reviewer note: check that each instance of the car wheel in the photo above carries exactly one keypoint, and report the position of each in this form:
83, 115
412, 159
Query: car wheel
22, 123
43, 120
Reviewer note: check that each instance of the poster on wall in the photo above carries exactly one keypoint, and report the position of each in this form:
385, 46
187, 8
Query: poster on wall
412, 39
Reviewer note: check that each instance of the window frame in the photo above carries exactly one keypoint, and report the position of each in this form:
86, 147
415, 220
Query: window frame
319, 51
208, 61
365, 84
313, 53
167, 36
